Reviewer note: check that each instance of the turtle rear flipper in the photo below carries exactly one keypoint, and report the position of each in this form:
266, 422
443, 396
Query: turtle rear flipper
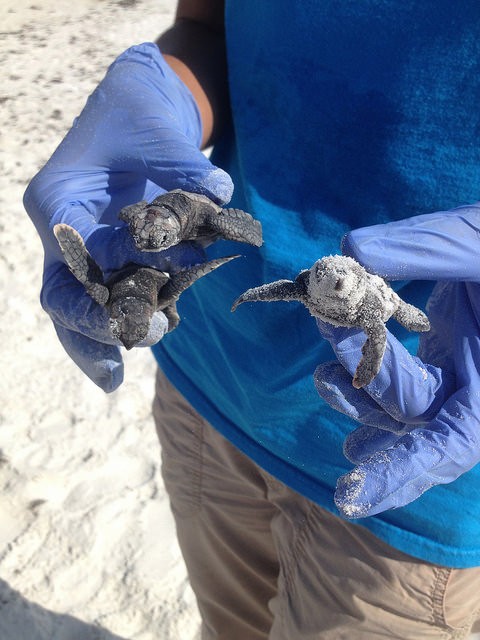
171, 313
80, 262
183, 279
372, 355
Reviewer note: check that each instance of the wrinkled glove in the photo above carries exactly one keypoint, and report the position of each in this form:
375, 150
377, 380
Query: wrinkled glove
138, 136
420, 417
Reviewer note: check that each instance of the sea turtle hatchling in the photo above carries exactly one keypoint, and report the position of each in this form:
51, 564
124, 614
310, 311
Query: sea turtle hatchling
340, 291
132, 294
180, 215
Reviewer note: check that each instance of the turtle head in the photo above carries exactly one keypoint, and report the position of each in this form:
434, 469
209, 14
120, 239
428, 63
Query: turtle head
159, 230
336, 280
154, 226
129, 321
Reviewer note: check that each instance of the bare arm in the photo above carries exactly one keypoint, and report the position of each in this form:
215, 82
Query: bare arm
195, 49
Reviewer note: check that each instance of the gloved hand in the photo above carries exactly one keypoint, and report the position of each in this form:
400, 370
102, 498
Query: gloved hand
138, 136
420, 416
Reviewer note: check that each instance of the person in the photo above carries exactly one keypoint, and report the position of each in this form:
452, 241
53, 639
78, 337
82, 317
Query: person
343, 127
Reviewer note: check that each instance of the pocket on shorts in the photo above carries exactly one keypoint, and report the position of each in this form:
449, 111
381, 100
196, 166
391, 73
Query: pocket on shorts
461, 597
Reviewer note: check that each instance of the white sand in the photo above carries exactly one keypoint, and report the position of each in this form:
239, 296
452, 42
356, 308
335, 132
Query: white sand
87, 544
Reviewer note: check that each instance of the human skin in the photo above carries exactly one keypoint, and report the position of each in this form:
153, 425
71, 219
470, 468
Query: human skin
194, 47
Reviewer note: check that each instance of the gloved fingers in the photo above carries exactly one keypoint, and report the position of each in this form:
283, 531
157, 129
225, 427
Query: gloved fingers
158, 328
183, 167
392, 477
49, 202
334, 385
64, 298
102, 363
365, 441
113, 247
434, 246
405, 387
419, 460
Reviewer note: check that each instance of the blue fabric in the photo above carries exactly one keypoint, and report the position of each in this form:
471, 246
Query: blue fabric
346, 114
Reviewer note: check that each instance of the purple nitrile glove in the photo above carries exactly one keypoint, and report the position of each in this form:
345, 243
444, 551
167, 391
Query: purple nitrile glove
138, 136
420, 416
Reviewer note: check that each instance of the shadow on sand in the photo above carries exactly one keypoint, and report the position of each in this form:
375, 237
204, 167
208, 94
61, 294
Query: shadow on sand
21, 619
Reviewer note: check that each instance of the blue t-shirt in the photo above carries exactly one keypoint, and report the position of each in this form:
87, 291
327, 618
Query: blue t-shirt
345, 114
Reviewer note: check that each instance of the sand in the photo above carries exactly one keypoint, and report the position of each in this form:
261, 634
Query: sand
87, 542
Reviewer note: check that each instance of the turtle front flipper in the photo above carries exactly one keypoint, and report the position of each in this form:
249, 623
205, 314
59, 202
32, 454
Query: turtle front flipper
179, 282
287, 290
238, 225
80, 262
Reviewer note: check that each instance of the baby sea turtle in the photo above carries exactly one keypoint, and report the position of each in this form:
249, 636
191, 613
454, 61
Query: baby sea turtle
340, 291
179, 215
133, 294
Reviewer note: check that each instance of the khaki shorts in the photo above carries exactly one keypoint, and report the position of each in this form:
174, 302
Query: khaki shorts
265, 562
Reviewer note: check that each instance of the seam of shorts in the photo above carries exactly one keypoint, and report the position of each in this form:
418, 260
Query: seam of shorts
439, 595
441, 577
198, 470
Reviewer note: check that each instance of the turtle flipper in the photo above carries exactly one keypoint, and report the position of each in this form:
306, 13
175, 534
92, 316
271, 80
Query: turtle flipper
372, 355
80, 262
183, 279
238, 225
410, 317
287, 290
172, 316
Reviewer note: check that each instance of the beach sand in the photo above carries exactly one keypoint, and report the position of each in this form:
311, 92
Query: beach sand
87, 542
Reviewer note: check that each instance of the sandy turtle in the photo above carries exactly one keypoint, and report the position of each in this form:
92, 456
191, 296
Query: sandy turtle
132, 294
179, 215
340, 291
